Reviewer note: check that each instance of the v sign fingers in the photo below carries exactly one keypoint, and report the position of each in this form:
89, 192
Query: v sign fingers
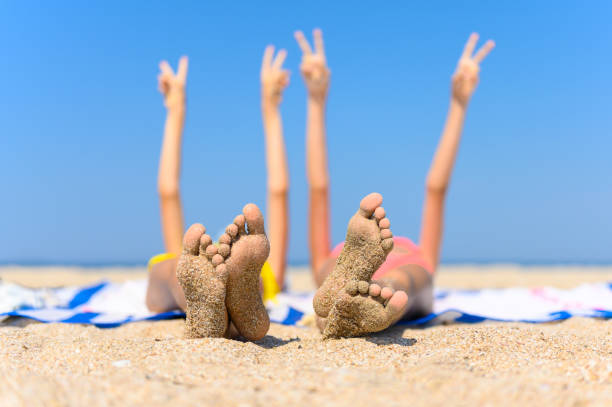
314, 66
173, 86
465, 78
274, 79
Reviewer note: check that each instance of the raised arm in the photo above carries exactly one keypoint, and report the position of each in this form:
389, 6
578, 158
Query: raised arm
273, 81
172, 87
316, 75
464, 83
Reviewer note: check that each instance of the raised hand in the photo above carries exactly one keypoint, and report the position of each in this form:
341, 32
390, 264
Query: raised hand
314, 68
465, 77
171, 85
274, 79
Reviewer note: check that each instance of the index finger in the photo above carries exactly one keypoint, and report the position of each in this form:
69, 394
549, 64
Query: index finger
302, 42
318, 41
484, 51
469, 46
181, 72
164, 66
267, 58
280, 58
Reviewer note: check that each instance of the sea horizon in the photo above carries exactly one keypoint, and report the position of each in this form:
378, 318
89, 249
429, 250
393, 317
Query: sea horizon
302, 264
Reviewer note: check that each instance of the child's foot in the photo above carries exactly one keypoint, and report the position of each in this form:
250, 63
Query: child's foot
247, 252
368, 241
203, 275
363, 308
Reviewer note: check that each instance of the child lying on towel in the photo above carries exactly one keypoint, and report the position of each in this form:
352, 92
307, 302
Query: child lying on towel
217, 285
373, 279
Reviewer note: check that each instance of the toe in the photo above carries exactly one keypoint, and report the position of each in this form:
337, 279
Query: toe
386, 234
232, 230
224, 249
211, 251
384, 223
374, 290
217, 259
240, 222
398, 302
352, 287
369, 204
386, 293
387, 245
191, 240
205, 241
363, 287
225, 239
254, 219
379, 213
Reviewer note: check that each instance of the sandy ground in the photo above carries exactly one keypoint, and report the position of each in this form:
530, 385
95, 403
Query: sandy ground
496, 364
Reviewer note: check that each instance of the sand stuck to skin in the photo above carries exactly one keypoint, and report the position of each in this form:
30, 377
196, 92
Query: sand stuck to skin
150, 363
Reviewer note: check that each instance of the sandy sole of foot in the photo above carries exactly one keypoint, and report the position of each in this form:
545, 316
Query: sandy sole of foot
561, 364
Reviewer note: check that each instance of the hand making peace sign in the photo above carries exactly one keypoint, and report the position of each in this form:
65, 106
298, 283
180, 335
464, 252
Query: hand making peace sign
465, 77
314, 68
274, 79
172, 86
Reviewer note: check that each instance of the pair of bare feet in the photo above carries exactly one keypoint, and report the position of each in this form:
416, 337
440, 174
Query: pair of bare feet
221, 281
349, 303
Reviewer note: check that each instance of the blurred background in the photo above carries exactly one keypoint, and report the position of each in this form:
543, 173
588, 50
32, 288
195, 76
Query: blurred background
81, 123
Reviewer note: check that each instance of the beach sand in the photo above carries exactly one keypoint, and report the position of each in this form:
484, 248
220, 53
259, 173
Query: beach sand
149, 363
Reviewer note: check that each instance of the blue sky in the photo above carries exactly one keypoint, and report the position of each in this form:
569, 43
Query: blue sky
81, 122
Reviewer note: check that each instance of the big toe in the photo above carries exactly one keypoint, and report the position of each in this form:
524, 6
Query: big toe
369, 204
397, 303
254, 219
191, 240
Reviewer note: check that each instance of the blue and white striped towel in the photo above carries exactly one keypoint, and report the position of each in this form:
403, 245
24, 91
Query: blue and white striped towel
109, 304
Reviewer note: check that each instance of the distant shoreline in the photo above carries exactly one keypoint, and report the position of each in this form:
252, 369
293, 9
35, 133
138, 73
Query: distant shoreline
450, 263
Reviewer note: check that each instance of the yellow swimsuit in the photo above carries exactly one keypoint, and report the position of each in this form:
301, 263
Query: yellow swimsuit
270, 287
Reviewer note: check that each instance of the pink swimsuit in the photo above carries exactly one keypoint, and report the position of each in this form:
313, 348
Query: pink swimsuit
413, 255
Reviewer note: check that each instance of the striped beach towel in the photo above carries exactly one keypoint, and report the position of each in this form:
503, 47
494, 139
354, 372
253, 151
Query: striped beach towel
107, 304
